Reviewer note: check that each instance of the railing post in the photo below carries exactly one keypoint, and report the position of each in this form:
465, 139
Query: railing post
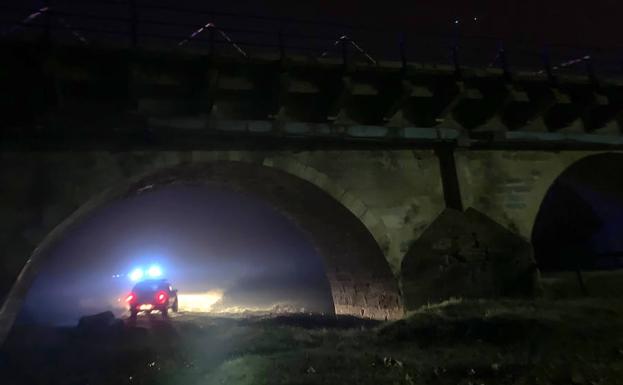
211, 41
403, 52
504, 62
47, 34
455, 61
282, 48
590, 70
344, 40
455, 50
133, 23
547, 66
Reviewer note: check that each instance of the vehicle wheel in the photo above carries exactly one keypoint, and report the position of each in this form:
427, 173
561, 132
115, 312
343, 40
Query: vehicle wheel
133, 314
165, 313
174, 308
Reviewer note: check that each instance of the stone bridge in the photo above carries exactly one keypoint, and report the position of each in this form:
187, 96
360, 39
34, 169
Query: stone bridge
388, 170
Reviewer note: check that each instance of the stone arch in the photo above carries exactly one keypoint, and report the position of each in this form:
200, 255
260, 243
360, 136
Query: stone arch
295, 167
509, 186
360, 278
568, 213
373, 223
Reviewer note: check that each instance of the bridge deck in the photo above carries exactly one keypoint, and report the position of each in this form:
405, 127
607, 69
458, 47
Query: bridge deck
91, 96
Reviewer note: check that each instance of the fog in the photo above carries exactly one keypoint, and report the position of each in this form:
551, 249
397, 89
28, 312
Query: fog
231, 247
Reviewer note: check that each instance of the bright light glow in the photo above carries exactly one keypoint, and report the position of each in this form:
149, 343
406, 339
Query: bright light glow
136, 274
211, 302
199, 302
131, 297
154, 271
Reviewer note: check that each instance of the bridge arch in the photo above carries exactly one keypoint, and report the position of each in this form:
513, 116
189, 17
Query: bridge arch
338, 224
574, 228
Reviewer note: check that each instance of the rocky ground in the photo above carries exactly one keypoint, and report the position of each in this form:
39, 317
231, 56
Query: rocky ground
457, 342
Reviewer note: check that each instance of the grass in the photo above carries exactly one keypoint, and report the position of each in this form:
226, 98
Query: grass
455, 342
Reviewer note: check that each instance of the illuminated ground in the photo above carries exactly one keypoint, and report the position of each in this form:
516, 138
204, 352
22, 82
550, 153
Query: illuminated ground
508, 342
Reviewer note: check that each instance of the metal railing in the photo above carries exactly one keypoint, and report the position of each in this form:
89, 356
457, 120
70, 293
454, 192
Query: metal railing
134, 23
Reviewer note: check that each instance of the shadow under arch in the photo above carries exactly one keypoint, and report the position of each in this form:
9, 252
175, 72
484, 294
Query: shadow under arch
359, 276
573, 227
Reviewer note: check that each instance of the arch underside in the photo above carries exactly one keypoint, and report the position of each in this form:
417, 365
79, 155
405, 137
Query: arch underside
575, 208
361, 281
359, 276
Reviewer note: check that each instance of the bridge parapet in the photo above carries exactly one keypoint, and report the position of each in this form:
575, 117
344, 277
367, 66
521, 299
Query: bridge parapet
61, 90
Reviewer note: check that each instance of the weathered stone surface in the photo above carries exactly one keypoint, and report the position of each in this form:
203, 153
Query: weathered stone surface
393, 195
309, 90
466, 254
509, 186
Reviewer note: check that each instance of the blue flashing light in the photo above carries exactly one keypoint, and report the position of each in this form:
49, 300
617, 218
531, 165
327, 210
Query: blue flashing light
136, 274
154, 271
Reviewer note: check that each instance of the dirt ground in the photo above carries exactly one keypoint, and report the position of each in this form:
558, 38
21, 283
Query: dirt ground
457, 342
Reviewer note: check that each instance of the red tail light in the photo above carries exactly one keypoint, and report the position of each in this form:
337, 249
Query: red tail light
131, 298
162, 297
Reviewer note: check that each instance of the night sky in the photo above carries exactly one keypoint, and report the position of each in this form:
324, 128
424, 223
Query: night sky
205, 239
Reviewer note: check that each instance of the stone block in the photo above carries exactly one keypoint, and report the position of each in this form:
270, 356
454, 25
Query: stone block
297, 128
231, 125
367, 131
467, 255
364, 89
419, 133
260, 126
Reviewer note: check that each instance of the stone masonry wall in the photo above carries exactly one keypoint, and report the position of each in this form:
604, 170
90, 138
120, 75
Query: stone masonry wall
509, 186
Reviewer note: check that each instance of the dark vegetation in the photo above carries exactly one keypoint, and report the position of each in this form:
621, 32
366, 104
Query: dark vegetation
457, 342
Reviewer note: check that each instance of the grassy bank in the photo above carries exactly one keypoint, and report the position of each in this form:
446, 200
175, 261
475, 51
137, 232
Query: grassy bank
457, 342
